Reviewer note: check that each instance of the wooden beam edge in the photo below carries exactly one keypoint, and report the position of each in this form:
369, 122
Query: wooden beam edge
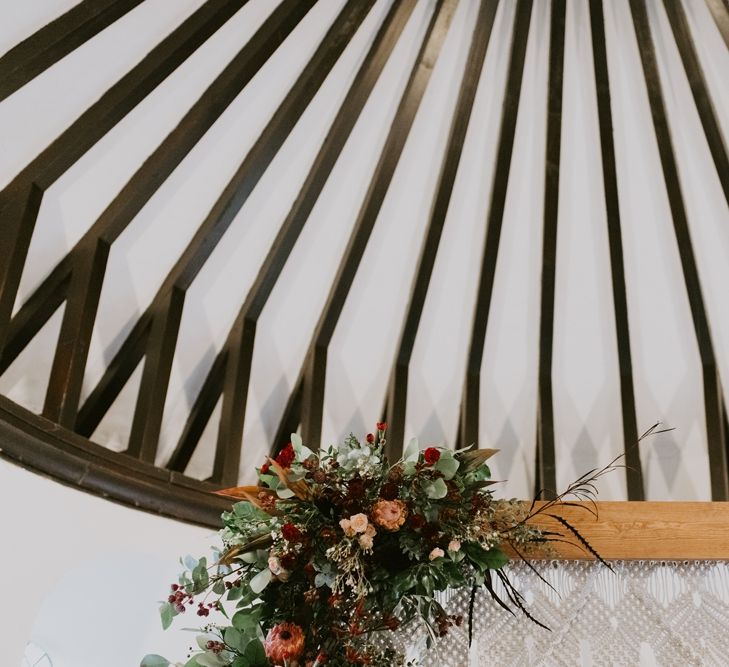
643, 531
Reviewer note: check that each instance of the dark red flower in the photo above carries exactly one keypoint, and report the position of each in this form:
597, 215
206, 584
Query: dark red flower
265, 468
431, 531
286, 456
370, 438
431, 455
381, 426
389, 491
417, 520
291, 532
356, 488
288, 560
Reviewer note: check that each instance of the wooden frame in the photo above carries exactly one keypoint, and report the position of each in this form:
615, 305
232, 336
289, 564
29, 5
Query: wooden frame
57, 444
646, 531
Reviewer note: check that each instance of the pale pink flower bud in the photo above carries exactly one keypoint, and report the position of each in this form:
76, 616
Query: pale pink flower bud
436, 553
454, 545
366, 542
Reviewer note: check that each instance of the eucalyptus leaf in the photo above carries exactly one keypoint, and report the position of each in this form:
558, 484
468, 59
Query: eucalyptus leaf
235, 593
447, 465
261, 580
167, 613
154, 661
255, 654
436, 489
285, 493
245, 621
296, 441
412, 450
233, 638
209, 659
271, 481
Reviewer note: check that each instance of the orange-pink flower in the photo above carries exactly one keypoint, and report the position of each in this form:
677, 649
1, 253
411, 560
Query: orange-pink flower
390, 514
284, 641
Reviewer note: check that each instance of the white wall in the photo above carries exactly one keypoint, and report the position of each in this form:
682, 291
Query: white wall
81, 576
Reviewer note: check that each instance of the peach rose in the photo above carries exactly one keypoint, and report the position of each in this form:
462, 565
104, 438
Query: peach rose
370, 532
346, 525
390, 514
358, 522
454, 545
436, 553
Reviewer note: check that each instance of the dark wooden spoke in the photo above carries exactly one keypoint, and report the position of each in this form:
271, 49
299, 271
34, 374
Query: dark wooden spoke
241, 340
47, 46
699, 89
34, 313
70, 362
115, 377
316, 361
546, 470
199, 415
21, 199
397, 395
713, 399
168, 303
494, 218
633, 471
720, 11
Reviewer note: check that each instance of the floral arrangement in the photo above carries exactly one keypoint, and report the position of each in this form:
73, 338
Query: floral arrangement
332, 551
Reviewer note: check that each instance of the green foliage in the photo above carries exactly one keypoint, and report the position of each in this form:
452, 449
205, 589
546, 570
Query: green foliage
447, 464
436, 489
491, 559
154, 661
167, 612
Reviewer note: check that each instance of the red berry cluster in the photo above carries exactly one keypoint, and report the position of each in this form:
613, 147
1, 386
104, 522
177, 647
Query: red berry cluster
204, 610
178, 597
215, 647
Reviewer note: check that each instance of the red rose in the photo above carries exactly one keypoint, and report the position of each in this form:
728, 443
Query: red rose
265, 468
370, 438
381, 426
431, 455
291, 532
288, 560
286, 456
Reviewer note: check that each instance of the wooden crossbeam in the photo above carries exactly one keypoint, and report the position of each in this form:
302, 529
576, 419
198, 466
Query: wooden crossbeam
646, 531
